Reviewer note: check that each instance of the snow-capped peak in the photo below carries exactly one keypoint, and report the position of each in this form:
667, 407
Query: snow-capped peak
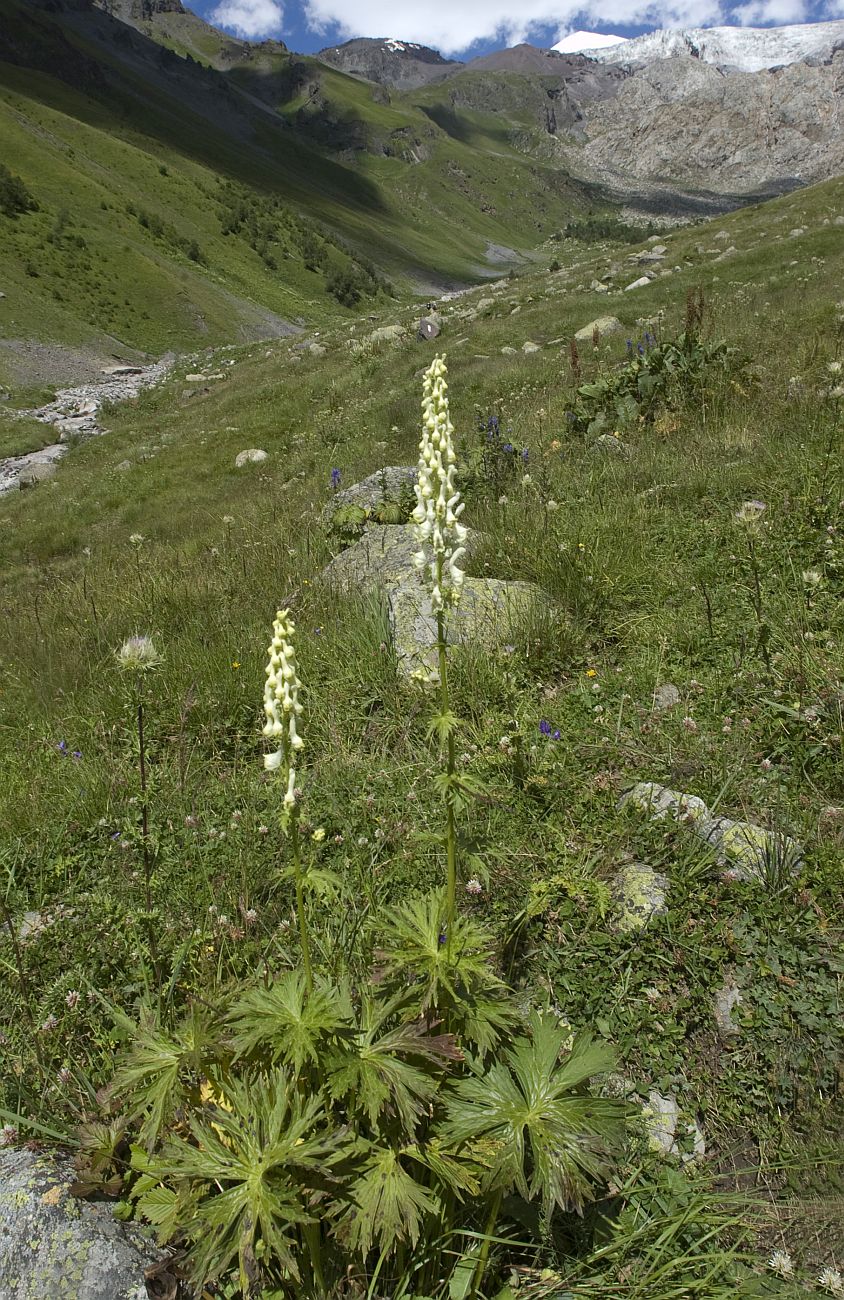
396, 47
748, 49
577, 42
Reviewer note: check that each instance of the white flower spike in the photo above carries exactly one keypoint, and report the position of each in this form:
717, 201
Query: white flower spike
281, 705
439, 532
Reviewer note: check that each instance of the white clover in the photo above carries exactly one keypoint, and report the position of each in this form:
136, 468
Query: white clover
834, 367
812, 577
281, 705
436, 517
781, 1263
138, 654
832, 1281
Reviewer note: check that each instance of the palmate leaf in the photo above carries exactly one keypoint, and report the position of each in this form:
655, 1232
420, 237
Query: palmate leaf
387, 1068
248, 1176
388, 1205
161, 1068
287, 1021
548, 1139
455, 981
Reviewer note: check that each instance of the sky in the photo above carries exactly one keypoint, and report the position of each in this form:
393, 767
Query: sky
470, 27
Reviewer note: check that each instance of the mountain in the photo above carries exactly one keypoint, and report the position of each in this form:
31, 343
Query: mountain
400, 64
747, 49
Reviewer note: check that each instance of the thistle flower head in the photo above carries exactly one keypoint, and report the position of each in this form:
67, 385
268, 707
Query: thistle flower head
281, 705
436, 517
138, 655
750, 513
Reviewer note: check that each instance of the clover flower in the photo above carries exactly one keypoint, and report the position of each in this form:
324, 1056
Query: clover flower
781, 1263
281, 704
436, 517
832, 1281
138, 655
750, 512
812, 577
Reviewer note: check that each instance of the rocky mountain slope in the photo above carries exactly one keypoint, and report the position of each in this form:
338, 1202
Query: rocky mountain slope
745, 49
401, 64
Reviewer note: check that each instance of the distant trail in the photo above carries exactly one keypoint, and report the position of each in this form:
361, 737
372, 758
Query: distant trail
75, 413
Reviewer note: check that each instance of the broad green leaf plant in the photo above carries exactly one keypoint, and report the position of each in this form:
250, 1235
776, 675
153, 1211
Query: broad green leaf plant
311, 1136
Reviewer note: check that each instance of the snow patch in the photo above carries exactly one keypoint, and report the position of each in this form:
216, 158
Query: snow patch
745, 49
577, 42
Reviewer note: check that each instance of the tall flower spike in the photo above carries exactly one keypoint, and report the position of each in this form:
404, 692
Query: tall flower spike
439, 532
281, 705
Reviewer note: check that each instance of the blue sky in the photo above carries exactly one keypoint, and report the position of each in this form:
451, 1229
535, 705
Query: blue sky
458, 27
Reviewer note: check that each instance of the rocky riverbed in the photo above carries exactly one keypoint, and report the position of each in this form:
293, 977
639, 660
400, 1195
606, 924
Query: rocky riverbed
75, 413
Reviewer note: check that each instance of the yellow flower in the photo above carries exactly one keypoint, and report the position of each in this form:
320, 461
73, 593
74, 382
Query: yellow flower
591, 672
235, 663
318, 835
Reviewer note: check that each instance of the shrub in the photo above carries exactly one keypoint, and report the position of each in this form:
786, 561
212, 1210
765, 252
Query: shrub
15, 198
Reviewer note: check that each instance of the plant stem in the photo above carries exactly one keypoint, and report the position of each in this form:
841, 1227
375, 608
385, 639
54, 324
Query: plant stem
480, 1268
22, 980
300, 903
311, 1233
450, 836
144, 807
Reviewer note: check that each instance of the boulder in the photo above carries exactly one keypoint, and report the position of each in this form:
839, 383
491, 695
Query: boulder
55, 1245
252, 456
429, 329
382, 558
35, 474
317, 350
370, 492
507, 351
597, 287
603, 324
484, 304
388, 334
639, 894
529, 347
609, 444
642, 283
196, 379
489, 612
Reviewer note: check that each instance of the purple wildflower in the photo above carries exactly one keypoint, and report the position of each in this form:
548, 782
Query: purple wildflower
525, 455
335, 479
545, 727
62, 746
555, 735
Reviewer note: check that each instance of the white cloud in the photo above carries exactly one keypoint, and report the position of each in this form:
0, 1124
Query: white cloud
778, 12
252, 19
452, 27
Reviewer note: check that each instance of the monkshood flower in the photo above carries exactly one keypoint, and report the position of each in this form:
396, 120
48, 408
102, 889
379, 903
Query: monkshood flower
281, 705
436, 517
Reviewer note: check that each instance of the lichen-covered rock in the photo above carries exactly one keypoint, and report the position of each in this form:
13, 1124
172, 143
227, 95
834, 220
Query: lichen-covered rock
747, 851
668, 1132
388, 334
489, 611
604, 325
639, 894
724, 1003
666, 696
660, 802
252, 456
370, 492
54, 1247
609, 444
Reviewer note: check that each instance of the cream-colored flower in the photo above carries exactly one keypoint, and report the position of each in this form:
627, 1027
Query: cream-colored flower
832, 1281
436, 517
750, 513
781, 1263
138, 655
812, 577
281, 705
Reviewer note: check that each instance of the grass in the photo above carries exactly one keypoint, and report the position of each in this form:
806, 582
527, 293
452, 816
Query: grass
647, 580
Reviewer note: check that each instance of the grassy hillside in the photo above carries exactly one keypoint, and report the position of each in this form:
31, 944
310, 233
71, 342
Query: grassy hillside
648, 579
130, 152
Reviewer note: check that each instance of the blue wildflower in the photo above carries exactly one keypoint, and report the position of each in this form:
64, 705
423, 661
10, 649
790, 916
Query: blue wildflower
509, 448
62, 746
77, 754
640, 349
525, 455
545, 727
335, 479
555, 735
629, 345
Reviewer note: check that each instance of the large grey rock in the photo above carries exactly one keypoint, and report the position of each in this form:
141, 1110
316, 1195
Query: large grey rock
639, 894
603, 324
53, 1246
382, 558
370, 492
388, 334
666, 696
489, 612
642, 282
529, 347
252, 456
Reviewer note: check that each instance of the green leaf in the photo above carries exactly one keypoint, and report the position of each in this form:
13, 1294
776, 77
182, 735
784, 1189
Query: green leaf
286, 1021
388, 1204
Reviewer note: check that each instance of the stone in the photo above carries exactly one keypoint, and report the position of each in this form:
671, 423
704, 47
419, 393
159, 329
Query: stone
122, 372
597, 287
196, 379
745, 851
666, 1128
609, 444
490, 611
370, 492
484, 304
603, 324
642, 283
123, 465
317, 350
388, 334
55, 1245
529, 347
724, 1003
252, 456
507, 351
429, 329
639, 894
666, 697
36, 474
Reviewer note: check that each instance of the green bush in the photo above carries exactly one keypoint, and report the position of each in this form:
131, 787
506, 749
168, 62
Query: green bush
15, 198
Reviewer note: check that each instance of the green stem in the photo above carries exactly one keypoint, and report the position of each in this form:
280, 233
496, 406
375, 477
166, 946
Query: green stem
480, 1268
450, 835
300, 902
311, 1233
